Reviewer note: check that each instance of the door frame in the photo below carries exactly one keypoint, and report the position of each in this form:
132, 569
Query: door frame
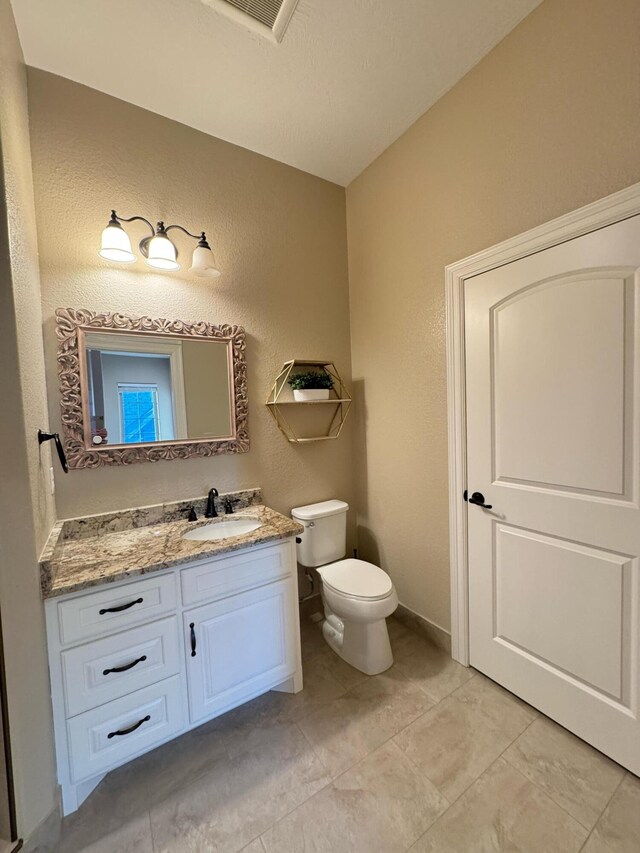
613, 208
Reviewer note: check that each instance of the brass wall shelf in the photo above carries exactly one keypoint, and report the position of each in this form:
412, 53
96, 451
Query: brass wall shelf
341, 401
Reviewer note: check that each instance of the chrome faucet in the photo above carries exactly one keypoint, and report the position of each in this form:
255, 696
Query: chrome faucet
210, 511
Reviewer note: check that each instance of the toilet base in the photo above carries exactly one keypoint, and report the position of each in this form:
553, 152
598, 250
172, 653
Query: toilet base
363, 645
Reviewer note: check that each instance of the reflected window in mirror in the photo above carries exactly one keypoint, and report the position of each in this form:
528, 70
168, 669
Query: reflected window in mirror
140, 415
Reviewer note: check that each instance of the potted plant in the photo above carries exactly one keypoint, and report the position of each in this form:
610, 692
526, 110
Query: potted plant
312, 385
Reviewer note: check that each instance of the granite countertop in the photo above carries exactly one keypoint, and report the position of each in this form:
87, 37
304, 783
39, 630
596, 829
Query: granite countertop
82, 553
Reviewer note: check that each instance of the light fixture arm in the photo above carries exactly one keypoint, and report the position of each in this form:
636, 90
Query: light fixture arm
201, 238
115, 218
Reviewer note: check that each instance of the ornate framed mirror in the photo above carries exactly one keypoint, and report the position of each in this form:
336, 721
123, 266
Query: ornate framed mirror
137, 389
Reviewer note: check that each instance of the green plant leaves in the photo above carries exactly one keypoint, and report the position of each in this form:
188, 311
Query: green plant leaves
310, 379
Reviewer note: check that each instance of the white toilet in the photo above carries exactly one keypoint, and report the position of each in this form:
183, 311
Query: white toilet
357, 596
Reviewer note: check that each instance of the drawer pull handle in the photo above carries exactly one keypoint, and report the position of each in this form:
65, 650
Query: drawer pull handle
120, 608
193, 639
130, 729
125, 667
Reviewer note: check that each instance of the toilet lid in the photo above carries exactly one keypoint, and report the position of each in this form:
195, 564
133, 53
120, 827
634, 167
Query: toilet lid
356, 578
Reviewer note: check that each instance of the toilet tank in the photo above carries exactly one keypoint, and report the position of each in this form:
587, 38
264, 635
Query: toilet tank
325, 532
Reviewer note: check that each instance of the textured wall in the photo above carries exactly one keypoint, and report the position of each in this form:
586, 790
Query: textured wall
547, 122
280, 240
26, 507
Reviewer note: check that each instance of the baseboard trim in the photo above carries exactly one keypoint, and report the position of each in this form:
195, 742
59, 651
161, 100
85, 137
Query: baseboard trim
46, 837
440, 637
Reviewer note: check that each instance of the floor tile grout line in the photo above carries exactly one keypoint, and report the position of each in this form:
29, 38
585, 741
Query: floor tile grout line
304, 802
188, 783
184, 788
358, 760
531, 781
310, 797
415, 764
313, 749
540, 715
436, 702
348, 691
517, 737
382, 743
251, 840
451, 802
425, 691
426, 775
547, 793
519, 772
153, 843
333, 780
600, 816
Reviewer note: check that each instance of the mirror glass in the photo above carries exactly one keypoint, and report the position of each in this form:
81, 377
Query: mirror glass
146, 388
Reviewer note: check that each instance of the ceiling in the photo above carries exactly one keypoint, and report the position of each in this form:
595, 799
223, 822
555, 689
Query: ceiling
349, 77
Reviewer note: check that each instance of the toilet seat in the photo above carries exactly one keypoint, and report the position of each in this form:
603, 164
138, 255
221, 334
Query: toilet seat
356, 579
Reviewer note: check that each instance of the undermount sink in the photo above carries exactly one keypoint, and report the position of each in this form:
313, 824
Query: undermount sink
223, 529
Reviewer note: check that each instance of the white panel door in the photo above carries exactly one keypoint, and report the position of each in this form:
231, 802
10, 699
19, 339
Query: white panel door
240, 647
553, 399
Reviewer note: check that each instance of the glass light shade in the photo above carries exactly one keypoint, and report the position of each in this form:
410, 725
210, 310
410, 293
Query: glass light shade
162, 254
203, 263
116, 245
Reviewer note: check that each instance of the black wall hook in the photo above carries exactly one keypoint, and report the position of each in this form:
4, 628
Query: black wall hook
48, 436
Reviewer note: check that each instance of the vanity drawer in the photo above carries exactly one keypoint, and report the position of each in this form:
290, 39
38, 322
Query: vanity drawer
110, 735
114, 608
235, 573
106, 669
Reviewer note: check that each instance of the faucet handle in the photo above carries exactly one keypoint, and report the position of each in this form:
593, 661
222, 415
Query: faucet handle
228, 505
193, 516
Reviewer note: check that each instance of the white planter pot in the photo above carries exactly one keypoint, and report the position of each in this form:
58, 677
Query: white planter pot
308, 394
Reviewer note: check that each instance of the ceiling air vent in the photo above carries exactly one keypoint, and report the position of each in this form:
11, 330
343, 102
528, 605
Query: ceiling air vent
268, 17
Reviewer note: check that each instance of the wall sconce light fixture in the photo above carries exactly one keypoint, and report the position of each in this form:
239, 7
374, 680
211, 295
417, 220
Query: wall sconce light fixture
157, 249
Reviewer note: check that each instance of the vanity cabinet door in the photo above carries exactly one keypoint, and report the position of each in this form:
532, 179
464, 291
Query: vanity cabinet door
240, 647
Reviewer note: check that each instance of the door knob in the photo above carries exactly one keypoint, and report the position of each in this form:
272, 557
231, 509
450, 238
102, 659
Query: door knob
477, 498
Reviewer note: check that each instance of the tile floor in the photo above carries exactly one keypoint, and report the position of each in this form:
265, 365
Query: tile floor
428, 756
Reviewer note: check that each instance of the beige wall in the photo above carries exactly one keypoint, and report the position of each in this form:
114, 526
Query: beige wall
207, 388
547, 122
26, 507
280, 240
